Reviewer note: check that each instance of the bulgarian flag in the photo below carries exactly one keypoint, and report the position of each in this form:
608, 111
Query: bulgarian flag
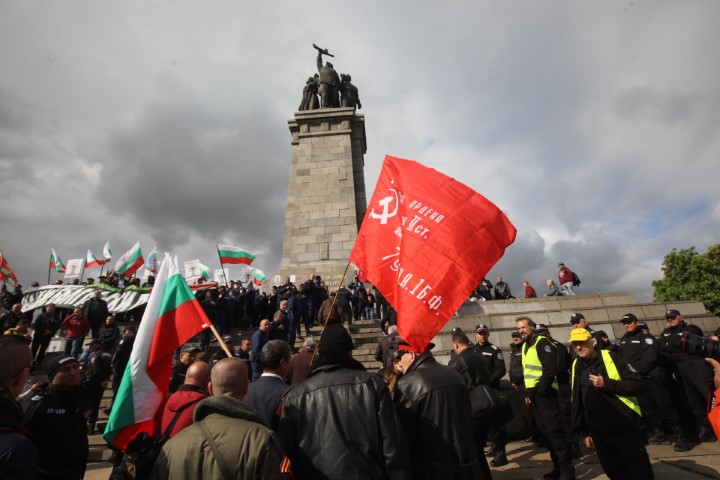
172, 317
56, 262
7, 274
151, 264
258, 277
130, 261
91, 261
234, 255
107, 253
204, 271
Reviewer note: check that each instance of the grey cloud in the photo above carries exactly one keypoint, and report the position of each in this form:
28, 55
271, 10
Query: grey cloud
648, 101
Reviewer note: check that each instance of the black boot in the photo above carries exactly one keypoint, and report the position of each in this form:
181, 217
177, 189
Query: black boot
705, 434
682, 442
575, 450
658, 437
492, 452
499, 460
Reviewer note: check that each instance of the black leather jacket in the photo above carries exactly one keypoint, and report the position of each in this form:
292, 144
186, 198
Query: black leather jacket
433, 404
340, 424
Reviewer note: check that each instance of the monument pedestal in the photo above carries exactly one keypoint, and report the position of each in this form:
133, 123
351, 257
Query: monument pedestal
326, 193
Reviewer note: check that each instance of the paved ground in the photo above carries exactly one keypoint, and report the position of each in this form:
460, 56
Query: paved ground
526, 463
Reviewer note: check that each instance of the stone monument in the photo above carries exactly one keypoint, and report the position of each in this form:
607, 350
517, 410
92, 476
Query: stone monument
326, 193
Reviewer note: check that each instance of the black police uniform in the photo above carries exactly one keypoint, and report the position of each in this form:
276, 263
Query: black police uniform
55, 418
493, 358
177, 376
546, 411
96, 370
640, 350
693, 371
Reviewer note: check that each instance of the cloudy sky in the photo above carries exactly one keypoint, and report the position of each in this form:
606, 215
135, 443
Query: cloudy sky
594, 125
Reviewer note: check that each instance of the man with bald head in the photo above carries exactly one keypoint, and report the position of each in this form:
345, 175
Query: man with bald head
18, 457
228, 438
182, 403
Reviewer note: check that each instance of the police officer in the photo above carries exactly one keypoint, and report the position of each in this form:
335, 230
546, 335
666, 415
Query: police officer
641, 351
563, 360
55, 418
694, 373
541, 394
493, 358
220, 354
95, 377
187, 356
578, 320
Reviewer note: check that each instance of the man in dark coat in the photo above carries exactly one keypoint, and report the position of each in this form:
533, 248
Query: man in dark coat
96, 310
354, 432
55, 418
265, 394
18, 457
46, 325
301, 362
433, 404
96, 373
259, 339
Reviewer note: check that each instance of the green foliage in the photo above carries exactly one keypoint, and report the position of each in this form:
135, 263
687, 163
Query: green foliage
689, 275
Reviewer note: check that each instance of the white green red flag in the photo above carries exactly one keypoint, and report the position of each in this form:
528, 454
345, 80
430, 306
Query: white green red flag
426, 241
130, 261
204, 271
258, 277
91, 261
151, 263
56, 262
7, 274
234, 255
107, 253
172, 317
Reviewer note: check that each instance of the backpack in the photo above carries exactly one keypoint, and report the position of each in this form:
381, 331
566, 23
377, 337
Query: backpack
576, 280
144, 449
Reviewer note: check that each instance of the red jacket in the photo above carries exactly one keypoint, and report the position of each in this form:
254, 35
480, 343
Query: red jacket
186, 395
565, 275
530, 292
78, 326
714, 415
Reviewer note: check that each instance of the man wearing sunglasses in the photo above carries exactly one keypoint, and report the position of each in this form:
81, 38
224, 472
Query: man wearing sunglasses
692, 370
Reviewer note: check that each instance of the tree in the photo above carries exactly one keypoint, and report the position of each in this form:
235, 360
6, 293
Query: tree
689, 275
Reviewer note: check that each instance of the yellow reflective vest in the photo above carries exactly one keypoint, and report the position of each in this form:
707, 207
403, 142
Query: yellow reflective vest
532, 367
613, 374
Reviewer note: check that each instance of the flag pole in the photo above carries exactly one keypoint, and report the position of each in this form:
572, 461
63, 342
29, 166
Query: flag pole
312, 360
227, 284
48, 282
220, 341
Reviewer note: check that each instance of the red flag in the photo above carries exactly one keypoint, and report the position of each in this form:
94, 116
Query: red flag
426, 241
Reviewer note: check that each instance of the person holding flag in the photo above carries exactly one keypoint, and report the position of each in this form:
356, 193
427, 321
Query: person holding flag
172, 317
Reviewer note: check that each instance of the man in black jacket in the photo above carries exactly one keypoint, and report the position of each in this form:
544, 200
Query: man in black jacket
95, 377
640, 350
691, 370
474, 371
433, 404
46, 325
354, 432
55, 418
96, 310
18, 457
493, 358
605, 410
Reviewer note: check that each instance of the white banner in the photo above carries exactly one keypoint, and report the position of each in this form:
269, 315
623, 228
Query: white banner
192, 270
74, 268
218, 275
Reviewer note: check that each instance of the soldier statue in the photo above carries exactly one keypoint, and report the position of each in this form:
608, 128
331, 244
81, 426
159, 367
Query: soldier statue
348, 93
329, 81
310, 98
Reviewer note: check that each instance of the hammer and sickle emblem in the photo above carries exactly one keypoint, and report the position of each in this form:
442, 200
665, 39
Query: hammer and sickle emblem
385, 204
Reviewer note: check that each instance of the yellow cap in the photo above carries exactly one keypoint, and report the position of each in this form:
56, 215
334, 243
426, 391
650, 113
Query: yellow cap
579, 335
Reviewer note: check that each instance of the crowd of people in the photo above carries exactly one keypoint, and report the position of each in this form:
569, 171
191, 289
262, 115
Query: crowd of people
268, 411
568, 280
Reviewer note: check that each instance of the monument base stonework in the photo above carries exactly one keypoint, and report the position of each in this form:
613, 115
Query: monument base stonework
326, 193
